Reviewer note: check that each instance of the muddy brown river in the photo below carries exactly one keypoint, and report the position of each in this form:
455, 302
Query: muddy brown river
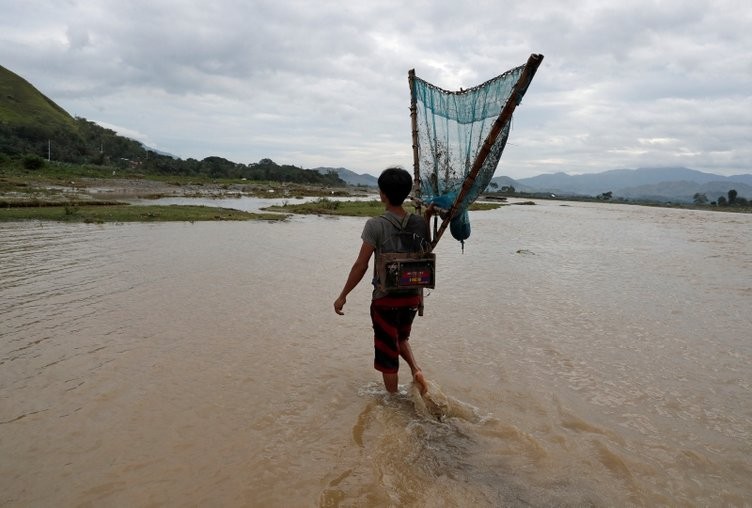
578, 354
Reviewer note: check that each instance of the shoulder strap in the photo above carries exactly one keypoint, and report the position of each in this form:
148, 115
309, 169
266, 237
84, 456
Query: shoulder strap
399, 225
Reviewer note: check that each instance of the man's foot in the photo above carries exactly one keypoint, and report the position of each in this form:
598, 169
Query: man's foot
420, 380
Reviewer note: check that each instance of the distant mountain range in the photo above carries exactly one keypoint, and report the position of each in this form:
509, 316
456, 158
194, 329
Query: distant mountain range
656, 184
351, 177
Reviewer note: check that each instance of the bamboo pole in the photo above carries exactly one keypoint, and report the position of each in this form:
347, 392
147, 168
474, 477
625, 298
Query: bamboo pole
416, 161
504, 116
414, 124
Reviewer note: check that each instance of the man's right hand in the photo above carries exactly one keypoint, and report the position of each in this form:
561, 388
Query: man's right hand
339, 303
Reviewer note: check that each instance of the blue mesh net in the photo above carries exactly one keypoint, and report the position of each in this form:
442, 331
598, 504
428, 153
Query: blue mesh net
451, 130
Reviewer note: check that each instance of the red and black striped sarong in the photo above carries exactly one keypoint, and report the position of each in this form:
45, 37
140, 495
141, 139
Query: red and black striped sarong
392, 318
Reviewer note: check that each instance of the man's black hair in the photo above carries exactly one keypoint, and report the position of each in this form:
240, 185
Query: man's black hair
396, 184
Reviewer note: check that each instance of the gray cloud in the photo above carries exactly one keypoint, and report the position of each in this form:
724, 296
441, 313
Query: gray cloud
325, 83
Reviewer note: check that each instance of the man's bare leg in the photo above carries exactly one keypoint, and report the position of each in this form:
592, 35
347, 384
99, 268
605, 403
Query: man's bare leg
406, 353
391, 382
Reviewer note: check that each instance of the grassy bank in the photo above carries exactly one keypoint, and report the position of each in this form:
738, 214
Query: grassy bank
74, 177
369, 208
130, 213
326, 206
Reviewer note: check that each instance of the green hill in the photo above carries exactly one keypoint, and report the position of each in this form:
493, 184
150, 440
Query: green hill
31, 124
33, 127
23, 105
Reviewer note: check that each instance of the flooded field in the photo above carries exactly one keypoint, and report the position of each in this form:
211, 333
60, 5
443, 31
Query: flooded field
579, 354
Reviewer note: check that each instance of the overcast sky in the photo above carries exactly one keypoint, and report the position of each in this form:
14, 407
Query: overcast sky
324, 83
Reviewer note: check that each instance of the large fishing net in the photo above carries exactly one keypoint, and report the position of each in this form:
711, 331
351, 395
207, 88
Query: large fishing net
451, 131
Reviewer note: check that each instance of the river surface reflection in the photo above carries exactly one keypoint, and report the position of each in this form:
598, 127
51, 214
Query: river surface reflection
245, 203
579, 354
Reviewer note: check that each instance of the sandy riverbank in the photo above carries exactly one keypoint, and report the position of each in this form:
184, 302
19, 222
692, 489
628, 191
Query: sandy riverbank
116, 189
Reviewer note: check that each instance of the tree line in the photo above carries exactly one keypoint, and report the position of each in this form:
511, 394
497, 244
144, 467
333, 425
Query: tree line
93, 144
732, 198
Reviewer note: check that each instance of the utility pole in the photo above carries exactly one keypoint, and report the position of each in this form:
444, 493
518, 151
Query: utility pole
49, 150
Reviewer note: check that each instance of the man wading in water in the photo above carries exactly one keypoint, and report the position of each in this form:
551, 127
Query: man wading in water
392, 313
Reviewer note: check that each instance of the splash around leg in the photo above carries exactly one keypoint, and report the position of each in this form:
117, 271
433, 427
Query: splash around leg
420, 382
